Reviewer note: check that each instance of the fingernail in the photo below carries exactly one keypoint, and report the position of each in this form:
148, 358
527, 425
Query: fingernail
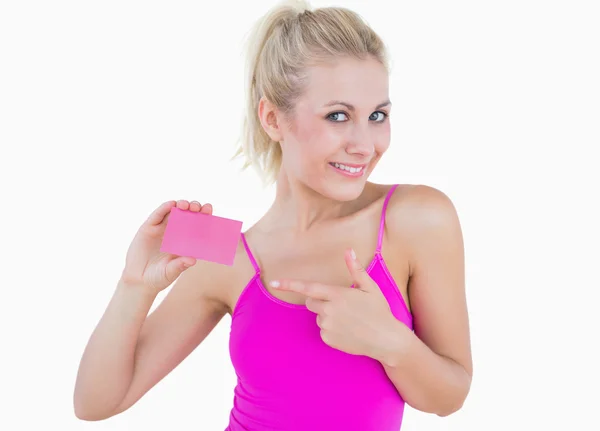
352, 254
275, 283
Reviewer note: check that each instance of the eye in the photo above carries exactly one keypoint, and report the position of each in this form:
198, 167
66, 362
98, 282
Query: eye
383, 116
336, 119
377, 116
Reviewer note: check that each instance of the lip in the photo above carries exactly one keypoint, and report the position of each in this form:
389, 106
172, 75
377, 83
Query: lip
350, 174
352, 165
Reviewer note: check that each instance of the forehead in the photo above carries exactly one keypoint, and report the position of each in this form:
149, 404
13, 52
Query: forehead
363, 83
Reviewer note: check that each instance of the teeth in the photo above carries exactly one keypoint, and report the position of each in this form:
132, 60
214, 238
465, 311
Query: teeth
347, 168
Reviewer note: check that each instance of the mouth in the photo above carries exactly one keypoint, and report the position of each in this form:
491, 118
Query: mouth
348, 169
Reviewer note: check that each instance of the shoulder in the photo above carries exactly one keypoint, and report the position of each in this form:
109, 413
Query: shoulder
218, 282
422, 216
422, 200
420, 206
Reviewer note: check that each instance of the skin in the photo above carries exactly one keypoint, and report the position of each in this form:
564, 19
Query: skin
306, 255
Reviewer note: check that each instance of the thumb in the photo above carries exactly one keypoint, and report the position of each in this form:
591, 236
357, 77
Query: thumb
359, 274
176, 266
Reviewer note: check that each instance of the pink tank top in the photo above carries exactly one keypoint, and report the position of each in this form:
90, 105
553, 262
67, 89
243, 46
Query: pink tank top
288, 379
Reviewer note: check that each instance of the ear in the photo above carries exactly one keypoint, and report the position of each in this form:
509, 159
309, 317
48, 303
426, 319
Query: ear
269, 119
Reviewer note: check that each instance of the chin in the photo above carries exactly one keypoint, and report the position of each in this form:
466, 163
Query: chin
341, 191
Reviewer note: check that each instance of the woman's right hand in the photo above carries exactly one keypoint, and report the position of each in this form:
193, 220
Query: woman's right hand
145, 264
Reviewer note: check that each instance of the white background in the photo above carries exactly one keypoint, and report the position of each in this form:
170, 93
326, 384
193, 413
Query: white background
109, 108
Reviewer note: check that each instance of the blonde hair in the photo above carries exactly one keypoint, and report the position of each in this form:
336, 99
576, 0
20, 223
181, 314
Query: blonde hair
280, 45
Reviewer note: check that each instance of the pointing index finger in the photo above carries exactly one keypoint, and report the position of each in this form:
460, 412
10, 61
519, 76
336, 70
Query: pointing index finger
310, 289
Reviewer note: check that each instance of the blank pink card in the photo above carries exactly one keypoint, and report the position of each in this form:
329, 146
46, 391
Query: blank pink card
203, 236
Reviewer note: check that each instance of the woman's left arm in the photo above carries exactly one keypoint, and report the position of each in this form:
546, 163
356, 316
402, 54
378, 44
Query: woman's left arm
432, 367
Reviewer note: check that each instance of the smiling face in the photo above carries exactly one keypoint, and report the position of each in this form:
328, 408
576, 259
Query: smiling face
339, 129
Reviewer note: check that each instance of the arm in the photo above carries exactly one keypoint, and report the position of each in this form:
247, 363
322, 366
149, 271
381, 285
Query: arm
432, 367
129, 353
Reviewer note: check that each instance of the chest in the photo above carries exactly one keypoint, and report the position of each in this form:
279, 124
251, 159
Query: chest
319, 258
287, 373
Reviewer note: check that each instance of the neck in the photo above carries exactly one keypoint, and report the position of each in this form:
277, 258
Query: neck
299, 208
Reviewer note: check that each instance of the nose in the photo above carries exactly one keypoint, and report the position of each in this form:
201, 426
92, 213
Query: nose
360, 142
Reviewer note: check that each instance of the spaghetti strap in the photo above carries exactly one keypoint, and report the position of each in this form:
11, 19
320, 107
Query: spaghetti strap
382, 222
250, 256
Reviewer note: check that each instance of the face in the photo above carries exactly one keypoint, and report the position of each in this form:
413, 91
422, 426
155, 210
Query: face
339, 128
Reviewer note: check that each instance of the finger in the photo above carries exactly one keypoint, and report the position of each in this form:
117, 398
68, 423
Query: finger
311, 289
207, 209
195, 206
320, 321
357, 271
159, 213
325, 337
315, 305
182, 204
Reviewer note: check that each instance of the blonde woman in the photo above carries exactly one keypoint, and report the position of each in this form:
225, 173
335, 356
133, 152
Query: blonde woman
347, 297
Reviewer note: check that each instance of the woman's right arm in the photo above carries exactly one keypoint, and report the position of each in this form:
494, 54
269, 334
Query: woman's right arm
129, 353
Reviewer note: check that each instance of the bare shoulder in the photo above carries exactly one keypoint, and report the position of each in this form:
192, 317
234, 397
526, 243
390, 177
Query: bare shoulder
204, 279
217, 283
417, 212
431, 205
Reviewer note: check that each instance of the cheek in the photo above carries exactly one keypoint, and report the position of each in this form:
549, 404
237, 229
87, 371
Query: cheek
314, 144
382, 143
382, 146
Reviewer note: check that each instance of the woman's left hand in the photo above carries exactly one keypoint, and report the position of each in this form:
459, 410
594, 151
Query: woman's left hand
354, 320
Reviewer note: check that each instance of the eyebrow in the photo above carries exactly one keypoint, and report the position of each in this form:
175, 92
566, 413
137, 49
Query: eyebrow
351, 107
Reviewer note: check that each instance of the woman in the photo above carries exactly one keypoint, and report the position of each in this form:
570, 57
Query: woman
347, 298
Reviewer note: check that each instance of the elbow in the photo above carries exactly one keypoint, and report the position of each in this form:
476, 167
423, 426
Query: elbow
448, 410
88, 414
87, 418
454, 404
441, 407
91, 407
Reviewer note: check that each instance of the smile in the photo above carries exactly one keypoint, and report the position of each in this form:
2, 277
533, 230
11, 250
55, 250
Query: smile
348, 170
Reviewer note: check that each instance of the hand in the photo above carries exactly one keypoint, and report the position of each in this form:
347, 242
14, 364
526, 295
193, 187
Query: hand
145, 264
354, 320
